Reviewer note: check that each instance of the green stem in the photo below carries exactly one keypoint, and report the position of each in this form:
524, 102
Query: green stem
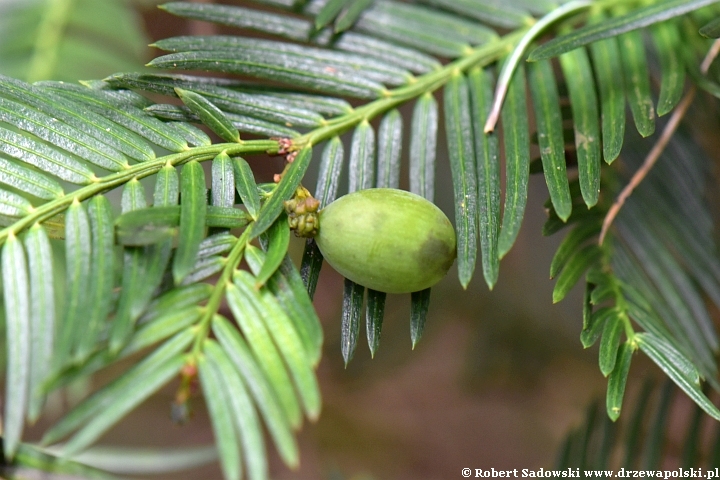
139, 170
429, 82
620, 302
213, 304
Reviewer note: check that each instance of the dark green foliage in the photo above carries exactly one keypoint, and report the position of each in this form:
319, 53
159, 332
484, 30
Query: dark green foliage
643, 440
638, 279
135, 282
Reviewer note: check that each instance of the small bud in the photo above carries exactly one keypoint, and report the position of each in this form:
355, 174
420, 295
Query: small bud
302, 213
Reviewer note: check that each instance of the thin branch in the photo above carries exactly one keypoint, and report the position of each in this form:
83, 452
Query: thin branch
480, 56
650, 160
659, 147
139, 170
710, 57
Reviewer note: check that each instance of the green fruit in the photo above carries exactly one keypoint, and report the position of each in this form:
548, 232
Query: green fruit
388, 240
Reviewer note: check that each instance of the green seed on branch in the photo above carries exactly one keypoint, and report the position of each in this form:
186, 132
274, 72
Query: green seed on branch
386, 239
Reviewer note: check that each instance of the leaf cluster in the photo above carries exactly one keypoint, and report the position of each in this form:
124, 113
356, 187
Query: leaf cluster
640, 278
148, 281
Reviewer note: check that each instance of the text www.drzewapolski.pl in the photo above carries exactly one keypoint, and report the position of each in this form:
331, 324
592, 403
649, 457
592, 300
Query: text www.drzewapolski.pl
577, 473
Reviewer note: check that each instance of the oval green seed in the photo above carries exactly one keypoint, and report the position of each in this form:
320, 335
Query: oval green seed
386, 239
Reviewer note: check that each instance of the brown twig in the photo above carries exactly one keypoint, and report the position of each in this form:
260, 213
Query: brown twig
650, 160
710, 57
659, 147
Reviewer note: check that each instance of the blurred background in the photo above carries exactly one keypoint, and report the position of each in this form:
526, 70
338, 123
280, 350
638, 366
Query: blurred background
497, 380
